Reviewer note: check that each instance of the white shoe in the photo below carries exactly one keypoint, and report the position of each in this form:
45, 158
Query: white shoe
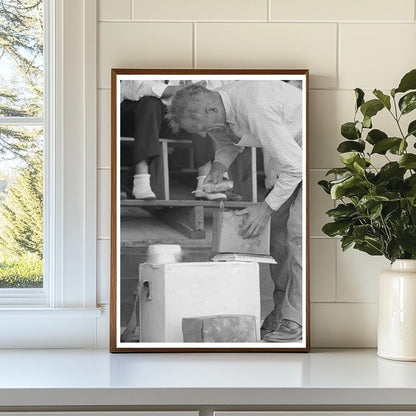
200, 194
141, 187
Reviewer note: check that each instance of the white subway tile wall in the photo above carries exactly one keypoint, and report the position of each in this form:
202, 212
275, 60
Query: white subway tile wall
323, 267
270, 45
357, 275
338, 325
319, 203
142, 45
345, 44
114, 10
386, 51
200, 10
355, 10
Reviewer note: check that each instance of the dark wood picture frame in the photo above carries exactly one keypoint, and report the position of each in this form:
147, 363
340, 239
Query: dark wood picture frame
178, 215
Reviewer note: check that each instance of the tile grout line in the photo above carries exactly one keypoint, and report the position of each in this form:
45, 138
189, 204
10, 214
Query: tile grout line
269, 10
345, 302
131, 9
194, 62
336, 271
338, 64
307, 22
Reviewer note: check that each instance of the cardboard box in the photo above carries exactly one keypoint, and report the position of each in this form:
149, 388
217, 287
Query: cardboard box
172, 292
226, 236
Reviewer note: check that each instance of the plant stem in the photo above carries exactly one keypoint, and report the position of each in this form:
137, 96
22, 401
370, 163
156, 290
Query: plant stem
397, 118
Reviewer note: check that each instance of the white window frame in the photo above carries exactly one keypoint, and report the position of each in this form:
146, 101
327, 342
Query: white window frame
64, 313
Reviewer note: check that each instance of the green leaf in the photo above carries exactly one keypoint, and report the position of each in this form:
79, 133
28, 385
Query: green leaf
359, 95
371, 108
342, 211
333, 229
398, 149
391, 170
350, 146
367, 122
348, 158
346, 242
360, 231
369, 201
408, 102
351, 187
385, 99
411, 184
338, 189
374, 136
349, 131
338, 171
402, 147
411, 180
368, 248
408, 82
375, 211
383, 145
407, 239
359, 166
411, 130
408, 161
325, 186
394, 251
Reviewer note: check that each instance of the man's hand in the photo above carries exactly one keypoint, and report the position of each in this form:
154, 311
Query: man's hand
256, 219
216, 173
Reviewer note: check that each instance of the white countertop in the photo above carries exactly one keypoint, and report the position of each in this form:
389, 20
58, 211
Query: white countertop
96, 377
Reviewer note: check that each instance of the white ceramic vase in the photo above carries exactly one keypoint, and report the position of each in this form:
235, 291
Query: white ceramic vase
397, 312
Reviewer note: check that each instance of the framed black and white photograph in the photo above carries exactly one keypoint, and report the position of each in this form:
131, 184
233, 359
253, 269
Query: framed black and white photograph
209, 211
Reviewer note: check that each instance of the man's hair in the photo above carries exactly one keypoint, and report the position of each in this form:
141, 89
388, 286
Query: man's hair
189, 100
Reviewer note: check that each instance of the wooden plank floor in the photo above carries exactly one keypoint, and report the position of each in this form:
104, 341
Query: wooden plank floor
145, 230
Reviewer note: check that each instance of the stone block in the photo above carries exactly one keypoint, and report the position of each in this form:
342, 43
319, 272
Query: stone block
226, 236
220, 328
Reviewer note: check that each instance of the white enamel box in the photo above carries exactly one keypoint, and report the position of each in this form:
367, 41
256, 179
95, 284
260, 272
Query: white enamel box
170, 292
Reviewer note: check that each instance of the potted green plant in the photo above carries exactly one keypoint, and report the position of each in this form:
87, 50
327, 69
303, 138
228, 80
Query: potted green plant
376, 209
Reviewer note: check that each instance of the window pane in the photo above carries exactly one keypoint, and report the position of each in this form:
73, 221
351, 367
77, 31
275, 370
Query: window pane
21, 207
21, 58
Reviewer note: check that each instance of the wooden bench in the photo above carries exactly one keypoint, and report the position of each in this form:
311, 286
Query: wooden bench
165, 161
186, 216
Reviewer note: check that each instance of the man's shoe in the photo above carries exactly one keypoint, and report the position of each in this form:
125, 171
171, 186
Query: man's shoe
287, 331
270, 324
231, 196
201, 194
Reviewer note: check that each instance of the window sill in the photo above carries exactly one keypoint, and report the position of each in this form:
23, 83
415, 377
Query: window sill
323, 379
39, 327
42, 311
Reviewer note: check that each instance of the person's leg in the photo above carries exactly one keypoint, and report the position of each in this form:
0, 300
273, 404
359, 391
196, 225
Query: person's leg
204, 169
147, 122
290, 327
279, 271
204, 155
203, 149
142, 120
